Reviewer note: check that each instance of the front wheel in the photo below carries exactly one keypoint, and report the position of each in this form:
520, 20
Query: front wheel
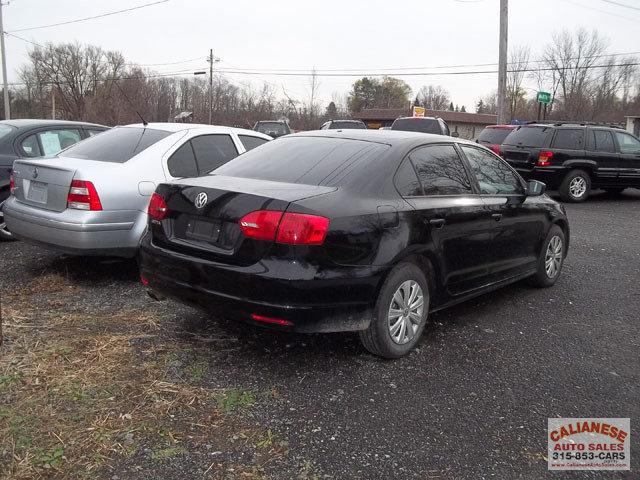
576, 186
551, 259
400, 313
5, 234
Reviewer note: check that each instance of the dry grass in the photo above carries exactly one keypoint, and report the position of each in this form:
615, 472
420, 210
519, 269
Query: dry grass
77, 394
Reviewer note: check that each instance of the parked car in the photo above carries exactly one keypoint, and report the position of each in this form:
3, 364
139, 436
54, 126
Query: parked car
28, 138
422, 124
493, 135
363, 231
575, 158
343, 124
273, 128
91, 199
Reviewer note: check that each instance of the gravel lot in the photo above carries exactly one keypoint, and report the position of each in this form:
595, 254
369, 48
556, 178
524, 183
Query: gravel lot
472, 402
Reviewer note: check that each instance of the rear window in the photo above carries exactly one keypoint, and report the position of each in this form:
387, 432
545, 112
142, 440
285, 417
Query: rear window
5, 130
273, 128
304, 160
117, 145
529, 136
424, 125
347, 125
494, 136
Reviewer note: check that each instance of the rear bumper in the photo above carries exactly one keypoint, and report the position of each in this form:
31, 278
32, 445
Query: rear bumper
308, 298
551, 176
76, 232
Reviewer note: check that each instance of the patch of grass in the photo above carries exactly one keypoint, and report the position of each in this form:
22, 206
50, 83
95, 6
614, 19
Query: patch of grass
197, 371
168, 453
234, 399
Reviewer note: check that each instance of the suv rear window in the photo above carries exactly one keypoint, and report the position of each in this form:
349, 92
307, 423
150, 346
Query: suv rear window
347, 125
117, 145
424, 125
529, 136
495, 136
304, 160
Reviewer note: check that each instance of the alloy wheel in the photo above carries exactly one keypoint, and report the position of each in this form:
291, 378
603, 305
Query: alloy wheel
405, 312
553, 257
577, 187
3, 225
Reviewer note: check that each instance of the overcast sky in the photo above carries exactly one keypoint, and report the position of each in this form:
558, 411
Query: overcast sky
326, 34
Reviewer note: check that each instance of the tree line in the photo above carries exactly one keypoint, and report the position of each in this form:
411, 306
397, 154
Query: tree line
84, 82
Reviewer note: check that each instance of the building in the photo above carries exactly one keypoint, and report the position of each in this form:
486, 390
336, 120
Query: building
633, 125
468, 125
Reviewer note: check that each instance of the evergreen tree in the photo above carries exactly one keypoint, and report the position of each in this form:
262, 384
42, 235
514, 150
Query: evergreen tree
451, 107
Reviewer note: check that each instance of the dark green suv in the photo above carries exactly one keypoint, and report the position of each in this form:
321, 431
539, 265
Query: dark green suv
575, 158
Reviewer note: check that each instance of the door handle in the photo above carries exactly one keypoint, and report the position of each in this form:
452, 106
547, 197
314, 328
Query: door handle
496, 216
437, 222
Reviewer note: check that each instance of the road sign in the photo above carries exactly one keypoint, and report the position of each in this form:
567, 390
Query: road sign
544, 97
418, 111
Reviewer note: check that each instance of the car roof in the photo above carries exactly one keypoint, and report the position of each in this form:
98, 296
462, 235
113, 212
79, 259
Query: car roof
417, 118
181, 127
389, 137
505, 127
36, 122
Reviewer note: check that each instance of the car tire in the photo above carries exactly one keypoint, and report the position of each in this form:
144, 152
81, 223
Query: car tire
394, 334
614, 191
576, 186
5, 235
551, 259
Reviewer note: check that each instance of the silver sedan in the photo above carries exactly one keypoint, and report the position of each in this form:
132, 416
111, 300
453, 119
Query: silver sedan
92, 198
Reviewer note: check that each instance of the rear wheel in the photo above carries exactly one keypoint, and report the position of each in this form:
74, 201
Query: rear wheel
5, 235
400, 313
551, 259
576, 186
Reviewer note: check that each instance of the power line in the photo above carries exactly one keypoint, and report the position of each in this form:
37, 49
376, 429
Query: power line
91, 18
607, 12
612, 2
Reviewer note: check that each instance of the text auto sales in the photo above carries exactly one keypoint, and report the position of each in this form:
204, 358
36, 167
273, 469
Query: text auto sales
615, 433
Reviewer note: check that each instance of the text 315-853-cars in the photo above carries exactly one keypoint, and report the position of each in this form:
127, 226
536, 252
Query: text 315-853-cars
351, 231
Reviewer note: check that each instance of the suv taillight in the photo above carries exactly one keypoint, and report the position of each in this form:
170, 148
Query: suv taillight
544, 158
12, 183
288, 228
158, 209
83, 196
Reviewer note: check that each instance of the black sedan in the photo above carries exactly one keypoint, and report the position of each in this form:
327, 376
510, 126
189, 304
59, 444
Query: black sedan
351, 230
35, 138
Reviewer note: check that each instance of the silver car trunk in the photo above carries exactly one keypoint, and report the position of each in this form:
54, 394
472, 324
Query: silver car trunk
42, 185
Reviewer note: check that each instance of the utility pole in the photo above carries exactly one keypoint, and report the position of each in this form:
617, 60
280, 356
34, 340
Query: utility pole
502, 62
53, 103
7, 107
210, 84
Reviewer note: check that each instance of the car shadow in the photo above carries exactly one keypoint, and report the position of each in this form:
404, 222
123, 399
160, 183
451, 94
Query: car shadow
92, 269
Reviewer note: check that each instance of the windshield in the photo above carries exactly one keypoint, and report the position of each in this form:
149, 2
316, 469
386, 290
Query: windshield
424, 125
306, 160
117, 145
347, 125
494, 135
270, 128
529, 136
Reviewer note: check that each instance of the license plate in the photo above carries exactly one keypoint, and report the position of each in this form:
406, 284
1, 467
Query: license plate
203, 230
37, 192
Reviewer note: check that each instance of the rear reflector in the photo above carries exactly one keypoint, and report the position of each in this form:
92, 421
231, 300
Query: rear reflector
83, 196
12, 183
288, 228
157, 209
144, 280
544, 158
273, 321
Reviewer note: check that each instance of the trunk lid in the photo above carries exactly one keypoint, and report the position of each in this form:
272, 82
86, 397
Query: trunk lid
205, 212
42, 184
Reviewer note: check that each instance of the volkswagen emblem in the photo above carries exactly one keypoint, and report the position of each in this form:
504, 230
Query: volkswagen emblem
35, 172
201, 200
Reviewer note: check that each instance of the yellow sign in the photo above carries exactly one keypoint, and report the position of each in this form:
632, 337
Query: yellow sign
418, 111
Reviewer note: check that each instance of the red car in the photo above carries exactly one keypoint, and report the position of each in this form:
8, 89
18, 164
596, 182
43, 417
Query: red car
493, 135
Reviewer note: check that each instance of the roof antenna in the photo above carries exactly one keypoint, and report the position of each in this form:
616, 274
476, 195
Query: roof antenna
144, 122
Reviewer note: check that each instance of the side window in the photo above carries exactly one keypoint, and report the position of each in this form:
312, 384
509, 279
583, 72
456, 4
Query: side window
406, 180
213, 151
440, 170
183, 162
627, 143
93, 133
494, 176
569, 138
53, 141
251, 142
603, 141
30, 147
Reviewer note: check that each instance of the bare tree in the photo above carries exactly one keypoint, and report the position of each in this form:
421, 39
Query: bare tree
433, 97
518, 66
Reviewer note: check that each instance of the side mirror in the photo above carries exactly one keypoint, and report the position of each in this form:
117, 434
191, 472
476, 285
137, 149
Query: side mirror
455, 134
535, 188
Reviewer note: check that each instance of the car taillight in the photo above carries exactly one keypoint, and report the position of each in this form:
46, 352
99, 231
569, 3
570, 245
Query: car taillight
544, 158
496, 149
12, 183
289, 228
83, 196
157, 209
